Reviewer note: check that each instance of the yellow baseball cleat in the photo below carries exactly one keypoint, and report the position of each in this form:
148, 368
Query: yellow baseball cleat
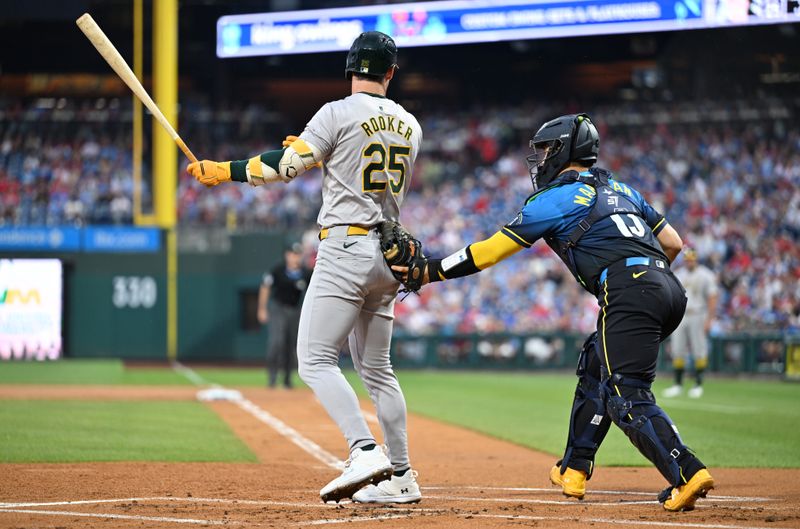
683, 498
572, 482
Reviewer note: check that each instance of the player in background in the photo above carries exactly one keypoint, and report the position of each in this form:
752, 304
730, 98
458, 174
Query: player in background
367, 145
618, 248
691, 336
279, 300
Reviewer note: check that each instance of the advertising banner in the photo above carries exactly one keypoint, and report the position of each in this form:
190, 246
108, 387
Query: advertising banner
30, 309
59, 239
121, 239
464, 21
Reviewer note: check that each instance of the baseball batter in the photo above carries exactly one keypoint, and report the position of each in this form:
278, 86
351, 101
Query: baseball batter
691, 336
367, 145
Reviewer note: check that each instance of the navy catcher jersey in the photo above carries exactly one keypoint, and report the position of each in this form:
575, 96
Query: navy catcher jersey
555, 212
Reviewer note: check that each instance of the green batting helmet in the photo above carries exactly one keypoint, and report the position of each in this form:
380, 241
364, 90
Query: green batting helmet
372, 54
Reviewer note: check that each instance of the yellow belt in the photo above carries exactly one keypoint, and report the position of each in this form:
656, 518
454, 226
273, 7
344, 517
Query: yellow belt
351, 230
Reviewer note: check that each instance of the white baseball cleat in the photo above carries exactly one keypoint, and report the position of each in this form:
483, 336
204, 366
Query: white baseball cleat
363, 468
399, 489
696, 392
672, 391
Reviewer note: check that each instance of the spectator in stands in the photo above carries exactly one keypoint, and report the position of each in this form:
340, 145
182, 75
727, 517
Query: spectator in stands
68, 163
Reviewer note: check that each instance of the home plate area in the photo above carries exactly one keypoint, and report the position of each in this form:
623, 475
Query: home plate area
468, 479
444, 506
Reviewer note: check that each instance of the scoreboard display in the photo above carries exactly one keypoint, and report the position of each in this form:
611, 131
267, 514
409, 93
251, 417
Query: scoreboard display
471, 21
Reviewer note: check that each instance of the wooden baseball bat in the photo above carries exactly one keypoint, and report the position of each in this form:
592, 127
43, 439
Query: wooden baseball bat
115, 60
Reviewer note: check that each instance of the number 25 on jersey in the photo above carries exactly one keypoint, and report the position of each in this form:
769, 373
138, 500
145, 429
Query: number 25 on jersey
391, 163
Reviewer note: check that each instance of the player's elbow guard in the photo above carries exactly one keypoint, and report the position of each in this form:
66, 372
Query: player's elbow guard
295, 160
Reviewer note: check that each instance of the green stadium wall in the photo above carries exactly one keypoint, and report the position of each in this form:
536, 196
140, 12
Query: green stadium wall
215, 324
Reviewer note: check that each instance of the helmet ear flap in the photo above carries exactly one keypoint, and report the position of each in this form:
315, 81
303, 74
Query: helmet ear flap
576, 125
585, 142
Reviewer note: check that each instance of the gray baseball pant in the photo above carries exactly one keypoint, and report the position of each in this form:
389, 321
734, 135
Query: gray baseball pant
690, 338
351, 294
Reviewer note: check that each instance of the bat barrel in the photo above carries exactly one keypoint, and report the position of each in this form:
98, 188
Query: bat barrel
107, 50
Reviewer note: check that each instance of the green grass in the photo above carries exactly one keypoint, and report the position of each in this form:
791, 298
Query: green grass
111, 372
738, 422
114, 372
65, 431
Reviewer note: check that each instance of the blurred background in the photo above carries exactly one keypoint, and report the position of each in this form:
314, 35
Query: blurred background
109, 249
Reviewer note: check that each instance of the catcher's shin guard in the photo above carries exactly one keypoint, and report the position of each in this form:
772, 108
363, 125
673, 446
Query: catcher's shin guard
631, 405
588, 422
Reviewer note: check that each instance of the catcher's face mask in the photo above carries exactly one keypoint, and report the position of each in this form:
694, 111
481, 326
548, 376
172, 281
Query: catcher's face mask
543, 152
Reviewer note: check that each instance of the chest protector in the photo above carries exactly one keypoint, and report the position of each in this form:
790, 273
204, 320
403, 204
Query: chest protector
607, 202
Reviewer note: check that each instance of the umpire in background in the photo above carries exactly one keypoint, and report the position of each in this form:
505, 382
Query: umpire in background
691, 336
279, 300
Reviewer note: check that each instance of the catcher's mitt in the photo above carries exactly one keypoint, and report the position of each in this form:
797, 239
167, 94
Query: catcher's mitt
400, 248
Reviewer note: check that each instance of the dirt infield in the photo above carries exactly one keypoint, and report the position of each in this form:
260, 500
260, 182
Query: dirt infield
468, 480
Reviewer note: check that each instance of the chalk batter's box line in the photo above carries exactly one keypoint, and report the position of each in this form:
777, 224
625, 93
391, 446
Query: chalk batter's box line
606, 492
328, 521
321, 505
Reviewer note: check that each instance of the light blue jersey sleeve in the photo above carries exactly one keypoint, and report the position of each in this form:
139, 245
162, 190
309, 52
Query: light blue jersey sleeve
544, 214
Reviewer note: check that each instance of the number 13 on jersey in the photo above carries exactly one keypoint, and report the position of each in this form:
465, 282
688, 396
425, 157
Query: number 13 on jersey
391, 162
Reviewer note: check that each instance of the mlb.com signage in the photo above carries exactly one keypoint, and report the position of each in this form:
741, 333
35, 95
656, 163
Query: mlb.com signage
110, 239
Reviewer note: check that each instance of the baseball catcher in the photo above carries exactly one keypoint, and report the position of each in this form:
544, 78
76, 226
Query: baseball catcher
619, 248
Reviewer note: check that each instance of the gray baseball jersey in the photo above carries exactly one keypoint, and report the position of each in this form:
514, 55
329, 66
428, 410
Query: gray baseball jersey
368, 187
700, 284
368, 145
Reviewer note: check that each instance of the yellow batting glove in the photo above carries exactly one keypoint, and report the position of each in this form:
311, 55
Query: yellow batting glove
210, 173
290, 139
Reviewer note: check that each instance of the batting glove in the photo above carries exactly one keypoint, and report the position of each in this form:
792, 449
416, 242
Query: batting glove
210, 173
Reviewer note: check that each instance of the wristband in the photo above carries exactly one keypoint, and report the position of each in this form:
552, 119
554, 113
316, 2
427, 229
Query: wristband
435, 272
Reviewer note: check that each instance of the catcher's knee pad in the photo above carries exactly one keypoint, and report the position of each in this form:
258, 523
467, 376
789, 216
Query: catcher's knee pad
588, 423
632, 407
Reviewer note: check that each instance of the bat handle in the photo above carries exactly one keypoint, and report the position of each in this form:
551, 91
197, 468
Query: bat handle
185, 149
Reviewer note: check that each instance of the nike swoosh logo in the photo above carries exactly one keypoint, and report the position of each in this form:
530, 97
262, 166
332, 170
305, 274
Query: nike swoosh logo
637, 274
348, 245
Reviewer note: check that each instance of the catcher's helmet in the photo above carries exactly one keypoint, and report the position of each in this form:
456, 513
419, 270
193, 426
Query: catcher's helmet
557, 143
372, 54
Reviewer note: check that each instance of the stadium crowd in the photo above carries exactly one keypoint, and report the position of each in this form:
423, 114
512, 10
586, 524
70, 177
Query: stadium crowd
726, 175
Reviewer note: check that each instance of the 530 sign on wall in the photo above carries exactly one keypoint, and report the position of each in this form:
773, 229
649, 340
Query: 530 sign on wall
134, 292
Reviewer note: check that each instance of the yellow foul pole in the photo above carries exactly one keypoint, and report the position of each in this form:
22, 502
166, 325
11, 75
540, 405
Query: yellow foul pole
137, 112
140, 218
165, 153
